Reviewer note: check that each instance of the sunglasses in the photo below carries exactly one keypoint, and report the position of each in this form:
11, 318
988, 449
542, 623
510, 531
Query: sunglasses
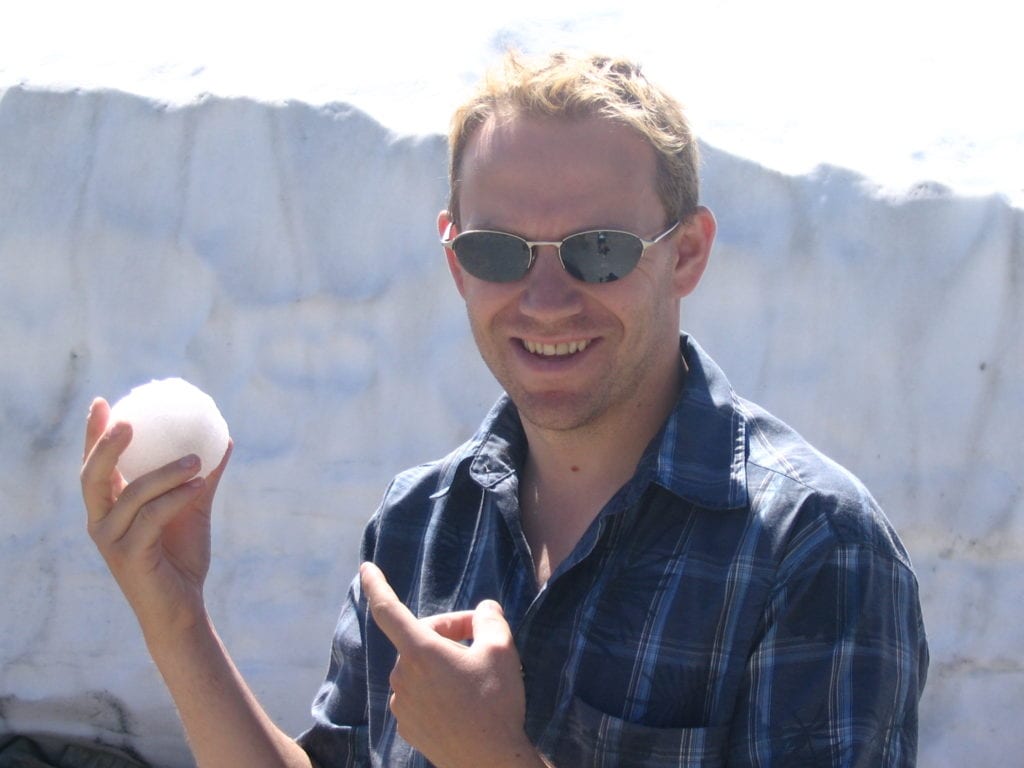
596, 256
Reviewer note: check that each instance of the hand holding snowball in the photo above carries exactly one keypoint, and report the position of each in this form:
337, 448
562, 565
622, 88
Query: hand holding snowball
154, 532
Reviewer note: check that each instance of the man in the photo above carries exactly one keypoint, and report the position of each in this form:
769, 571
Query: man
628, 564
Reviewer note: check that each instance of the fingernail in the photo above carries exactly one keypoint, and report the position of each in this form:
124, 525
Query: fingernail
189, 462
119, 429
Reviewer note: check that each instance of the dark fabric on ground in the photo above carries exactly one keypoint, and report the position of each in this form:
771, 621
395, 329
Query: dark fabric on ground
51, 752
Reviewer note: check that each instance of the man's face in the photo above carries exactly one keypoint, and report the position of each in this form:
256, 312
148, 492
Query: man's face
615, 345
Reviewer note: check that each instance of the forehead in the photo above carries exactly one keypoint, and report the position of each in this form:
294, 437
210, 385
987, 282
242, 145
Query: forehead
558, 172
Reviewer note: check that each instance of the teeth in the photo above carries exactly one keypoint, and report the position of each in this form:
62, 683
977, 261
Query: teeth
555, 350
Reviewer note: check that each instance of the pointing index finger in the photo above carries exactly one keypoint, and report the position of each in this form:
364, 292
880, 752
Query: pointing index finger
394, 619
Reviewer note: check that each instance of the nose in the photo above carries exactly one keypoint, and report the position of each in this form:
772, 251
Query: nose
550, 292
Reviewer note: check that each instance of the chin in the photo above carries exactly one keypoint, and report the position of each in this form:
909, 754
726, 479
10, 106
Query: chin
556, 412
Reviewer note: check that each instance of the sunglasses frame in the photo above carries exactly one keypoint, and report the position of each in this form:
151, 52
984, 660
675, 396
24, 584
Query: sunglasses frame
449, 242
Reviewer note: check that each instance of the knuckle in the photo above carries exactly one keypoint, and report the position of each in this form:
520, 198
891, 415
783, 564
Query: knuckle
86, 475
394, 704
387, 606
98, 539
129, 496
500, 654
413, 661
104, 539
102, 533
148, 514
95, 531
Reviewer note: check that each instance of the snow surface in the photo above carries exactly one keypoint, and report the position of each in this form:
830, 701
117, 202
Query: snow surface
899, 91
283, 252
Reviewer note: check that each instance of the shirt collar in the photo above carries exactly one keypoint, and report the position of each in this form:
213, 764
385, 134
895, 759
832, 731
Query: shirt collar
699, 454
498, 448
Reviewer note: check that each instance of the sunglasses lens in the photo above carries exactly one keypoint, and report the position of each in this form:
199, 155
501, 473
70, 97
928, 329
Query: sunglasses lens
601, 256
492, 256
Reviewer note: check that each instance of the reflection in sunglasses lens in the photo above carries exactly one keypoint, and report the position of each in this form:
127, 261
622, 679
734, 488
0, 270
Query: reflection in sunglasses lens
601, 257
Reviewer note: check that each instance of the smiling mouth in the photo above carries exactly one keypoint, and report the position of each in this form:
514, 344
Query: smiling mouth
561, 349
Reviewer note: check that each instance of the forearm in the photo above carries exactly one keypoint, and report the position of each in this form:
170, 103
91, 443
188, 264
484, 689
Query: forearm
224, 723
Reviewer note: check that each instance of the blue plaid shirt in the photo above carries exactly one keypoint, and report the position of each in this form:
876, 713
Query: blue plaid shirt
741, 601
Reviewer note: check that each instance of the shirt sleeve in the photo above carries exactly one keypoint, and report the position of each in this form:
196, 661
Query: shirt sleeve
339, 735
837, 673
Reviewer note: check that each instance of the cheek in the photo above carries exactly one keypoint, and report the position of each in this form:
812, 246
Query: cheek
485, 300
643, 305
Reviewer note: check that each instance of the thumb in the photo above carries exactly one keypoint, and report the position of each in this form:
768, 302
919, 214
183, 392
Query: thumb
490, 626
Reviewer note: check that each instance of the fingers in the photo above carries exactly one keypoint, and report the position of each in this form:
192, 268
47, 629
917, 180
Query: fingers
394, 619
486, 626
150, 502
456, 626
99, 412
101, 483
213, 479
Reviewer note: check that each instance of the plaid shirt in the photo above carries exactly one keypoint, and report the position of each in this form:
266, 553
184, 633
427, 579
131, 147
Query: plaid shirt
741, 601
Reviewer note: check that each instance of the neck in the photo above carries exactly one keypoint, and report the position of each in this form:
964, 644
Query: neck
571, 474
606, 452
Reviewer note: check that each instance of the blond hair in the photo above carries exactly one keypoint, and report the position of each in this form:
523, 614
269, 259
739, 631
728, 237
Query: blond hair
568, 86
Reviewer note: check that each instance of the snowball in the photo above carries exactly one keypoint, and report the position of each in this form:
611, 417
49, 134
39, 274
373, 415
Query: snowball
170, 419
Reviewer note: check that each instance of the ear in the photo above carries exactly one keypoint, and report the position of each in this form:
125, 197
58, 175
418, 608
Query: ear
693, 248
446, 230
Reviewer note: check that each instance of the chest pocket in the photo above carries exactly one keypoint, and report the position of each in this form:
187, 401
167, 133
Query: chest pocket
593, 739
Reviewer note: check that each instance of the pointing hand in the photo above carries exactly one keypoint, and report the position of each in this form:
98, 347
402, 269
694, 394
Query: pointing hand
460, 705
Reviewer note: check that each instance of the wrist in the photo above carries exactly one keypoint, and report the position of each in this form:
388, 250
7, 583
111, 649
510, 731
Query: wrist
191, 636
526, 755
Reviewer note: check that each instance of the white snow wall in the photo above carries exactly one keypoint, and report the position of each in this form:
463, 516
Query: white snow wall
284, 258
